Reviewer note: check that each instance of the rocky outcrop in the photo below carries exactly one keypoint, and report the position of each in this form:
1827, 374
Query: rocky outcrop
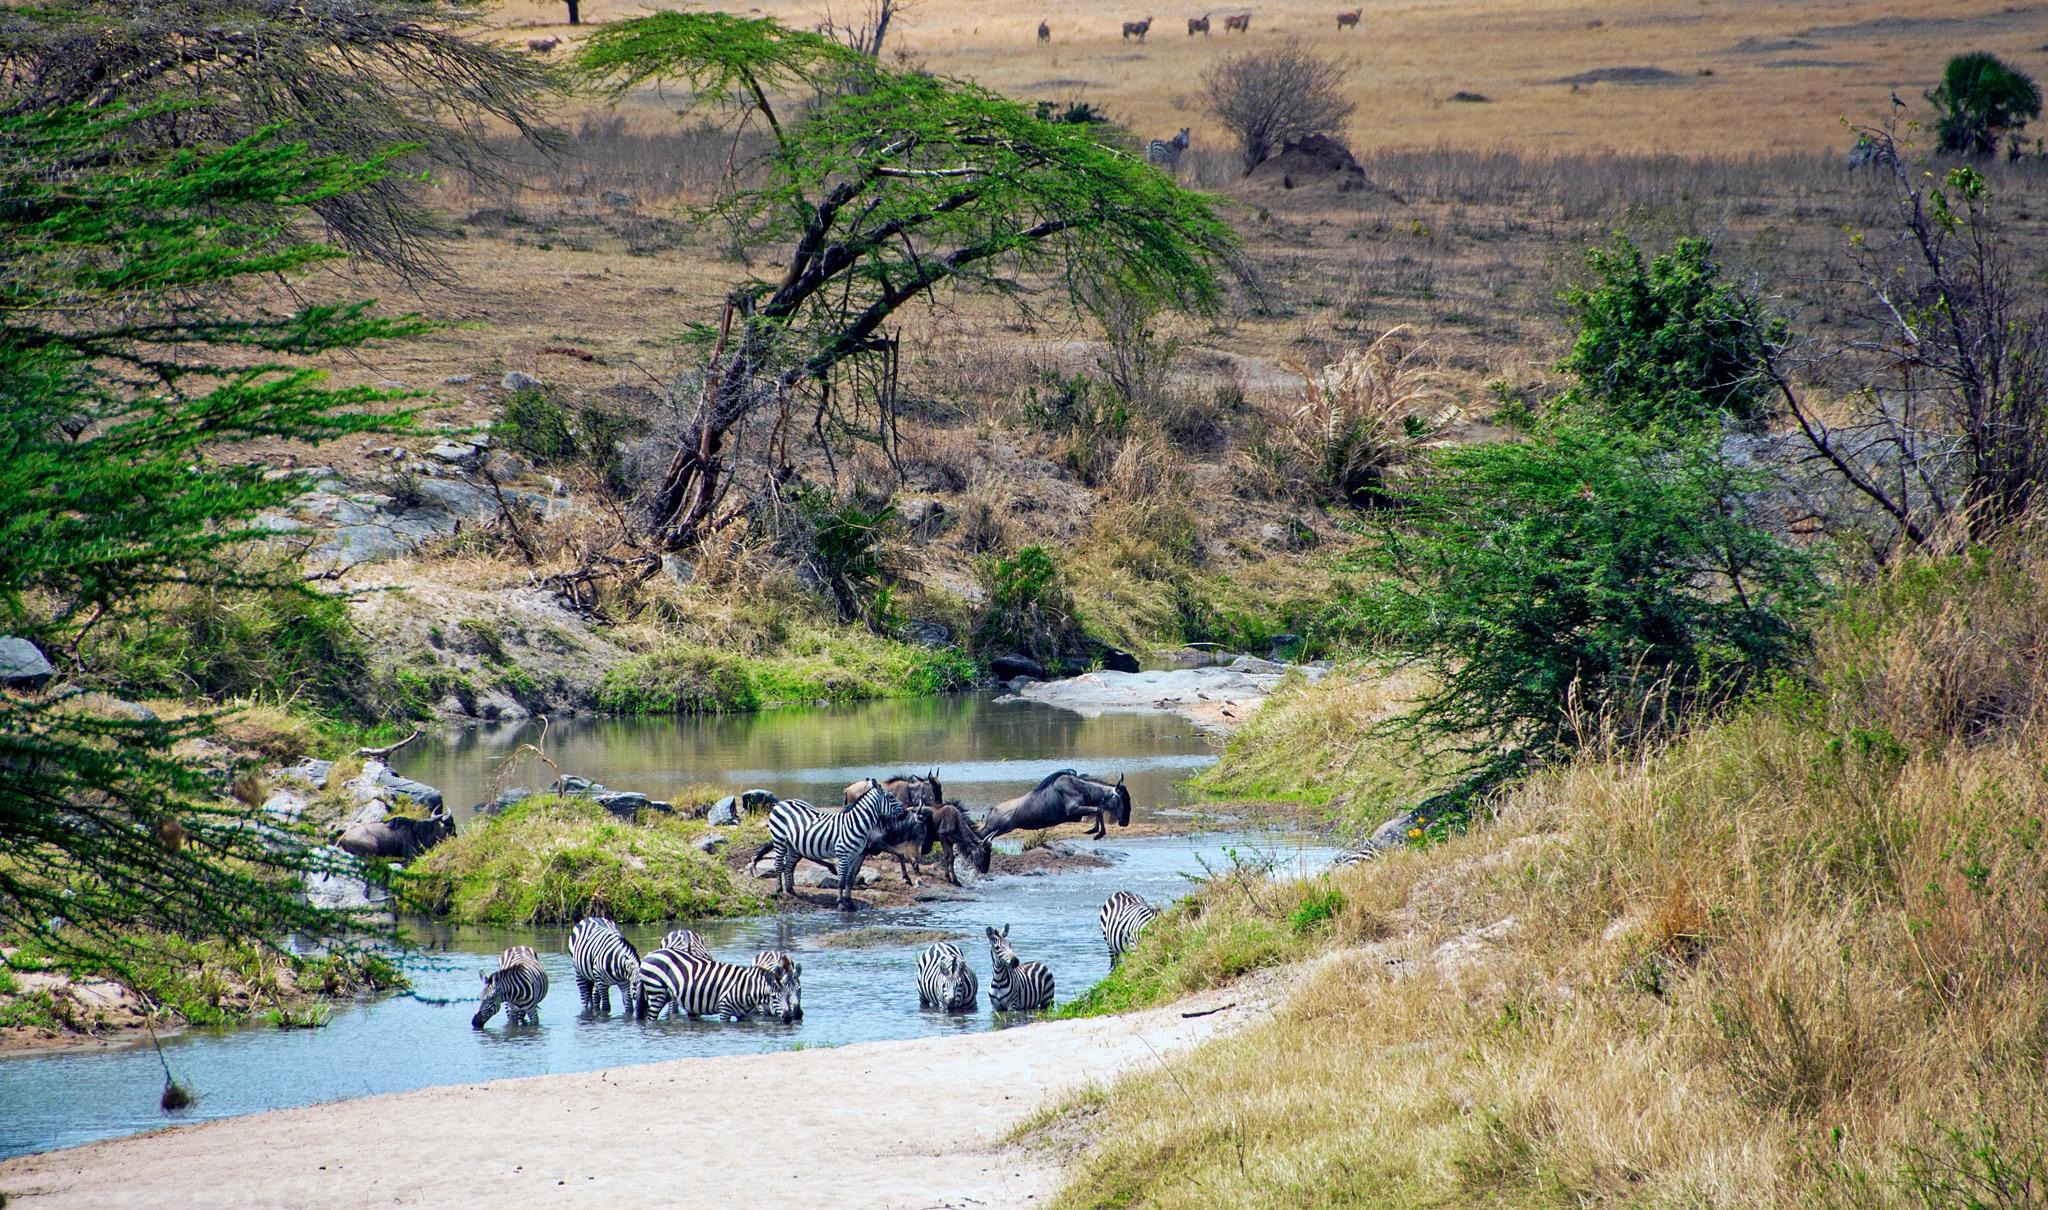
1218, 697
1316, 162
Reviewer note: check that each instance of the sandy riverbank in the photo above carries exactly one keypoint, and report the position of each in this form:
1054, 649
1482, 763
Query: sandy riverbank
912, 1124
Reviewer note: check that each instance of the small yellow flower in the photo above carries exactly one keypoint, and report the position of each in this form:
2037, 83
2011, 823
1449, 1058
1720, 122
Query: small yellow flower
1414, 833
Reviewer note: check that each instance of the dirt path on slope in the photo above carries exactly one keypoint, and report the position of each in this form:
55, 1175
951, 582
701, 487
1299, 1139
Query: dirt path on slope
913, 1124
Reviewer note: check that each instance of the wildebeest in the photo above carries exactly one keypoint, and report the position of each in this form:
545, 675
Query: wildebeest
396, 839
541, 46
1350, 18
1242, 23
1198, 25
1062, 797
950, 827
1138, 29
1044, 32
909, 840
910, 791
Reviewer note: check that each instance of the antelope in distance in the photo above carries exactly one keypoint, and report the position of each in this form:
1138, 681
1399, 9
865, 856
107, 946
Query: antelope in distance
1138, 29
1044, 32
1198, 25
541, 46
1350, 18
1242, 23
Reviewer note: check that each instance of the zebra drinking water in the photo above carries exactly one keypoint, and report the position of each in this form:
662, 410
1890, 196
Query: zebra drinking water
1166, 152
838, 839
1014, 986
705, 987
792, 973
944, 980
1124, 916
603, 958
518, 985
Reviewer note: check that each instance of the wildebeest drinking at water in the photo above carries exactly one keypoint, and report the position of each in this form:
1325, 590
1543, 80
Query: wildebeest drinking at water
1063, 797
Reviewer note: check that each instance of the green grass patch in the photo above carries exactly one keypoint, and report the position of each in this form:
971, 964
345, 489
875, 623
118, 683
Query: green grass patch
843, 665
551, 860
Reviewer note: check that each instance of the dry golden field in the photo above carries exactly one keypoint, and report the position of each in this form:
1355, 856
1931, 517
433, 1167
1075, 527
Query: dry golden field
1739, 76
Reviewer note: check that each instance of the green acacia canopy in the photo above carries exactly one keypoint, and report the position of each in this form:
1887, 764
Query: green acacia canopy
886, 183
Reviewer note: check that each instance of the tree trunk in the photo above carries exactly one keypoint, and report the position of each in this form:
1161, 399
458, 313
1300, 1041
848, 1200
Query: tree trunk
575, 12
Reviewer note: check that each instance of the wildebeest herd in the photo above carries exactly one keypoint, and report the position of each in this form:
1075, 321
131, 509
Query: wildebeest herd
1238, 23
904, 817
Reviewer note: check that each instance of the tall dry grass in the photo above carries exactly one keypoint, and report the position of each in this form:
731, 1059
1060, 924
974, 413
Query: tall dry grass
1794, 958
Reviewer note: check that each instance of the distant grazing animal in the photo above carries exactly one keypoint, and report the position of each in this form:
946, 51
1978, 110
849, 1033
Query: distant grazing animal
397, 839
1138, 29
951, 827
1166, 152
1063, 797
1242, 23
1014, 986
792, 973
839, 838
706, 987
1198, 25
1124, 917
944, 980
541, 46
1044, 32
1350, 18
518, 986
603, 959
686, 941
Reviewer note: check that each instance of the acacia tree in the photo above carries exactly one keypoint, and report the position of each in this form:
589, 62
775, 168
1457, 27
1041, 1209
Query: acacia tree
347, 77
126, 370
1266, 97
883, 187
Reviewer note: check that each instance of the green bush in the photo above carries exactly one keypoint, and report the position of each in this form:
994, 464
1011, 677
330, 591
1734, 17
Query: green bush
538, 427
840, 541
848, 665
1666, 342
1584, 576
550, 860
1026, 609
1980, 98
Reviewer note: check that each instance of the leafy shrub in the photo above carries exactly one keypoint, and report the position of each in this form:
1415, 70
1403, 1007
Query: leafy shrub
1090, 415
837, 666
1583, 577
538, 427
839, 541
1980, 98
1667, 342
1026, 608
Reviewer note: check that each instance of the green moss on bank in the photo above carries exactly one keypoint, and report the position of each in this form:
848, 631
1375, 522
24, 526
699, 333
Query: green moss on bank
837, 666
550, 860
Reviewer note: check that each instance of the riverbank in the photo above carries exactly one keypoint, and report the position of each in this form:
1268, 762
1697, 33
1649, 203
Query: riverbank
921, 1123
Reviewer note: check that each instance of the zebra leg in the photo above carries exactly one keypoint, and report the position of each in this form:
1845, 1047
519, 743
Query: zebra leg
584, 990
785, 870
849, 871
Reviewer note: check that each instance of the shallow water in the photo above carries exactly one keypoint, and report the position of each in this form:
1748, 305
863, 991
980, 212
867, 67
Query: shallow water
399, 1043
984, 751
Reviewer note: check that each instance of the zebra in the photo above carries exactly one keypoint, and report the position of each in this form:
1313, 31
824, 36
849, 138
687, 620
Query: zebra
686, 941
792, 973
1124, 917
602, 957
944, 979
1013, 986
1166, 152
836, 838
698, 987
518, 985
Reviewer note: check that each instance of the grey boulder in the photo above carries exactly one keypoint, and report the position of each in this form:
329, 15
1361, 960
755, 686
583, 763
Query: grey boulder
22, 665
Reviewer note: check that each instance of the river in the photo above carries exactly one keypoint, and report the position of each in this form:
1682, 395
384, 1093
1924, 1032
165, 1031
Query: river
851, 994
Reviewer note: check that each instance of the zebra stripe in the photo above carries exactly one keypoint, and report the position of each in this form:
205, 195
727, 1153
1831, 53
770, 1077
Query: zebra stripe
1166, 152
836, 838
518, 985
603, 959
706, 987
686, 941
1124, 916
792, 972
944, 979
1013, 986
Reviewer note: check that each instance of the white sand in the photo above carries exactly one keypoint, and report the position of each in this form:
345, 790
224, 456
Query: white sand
915, 1124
